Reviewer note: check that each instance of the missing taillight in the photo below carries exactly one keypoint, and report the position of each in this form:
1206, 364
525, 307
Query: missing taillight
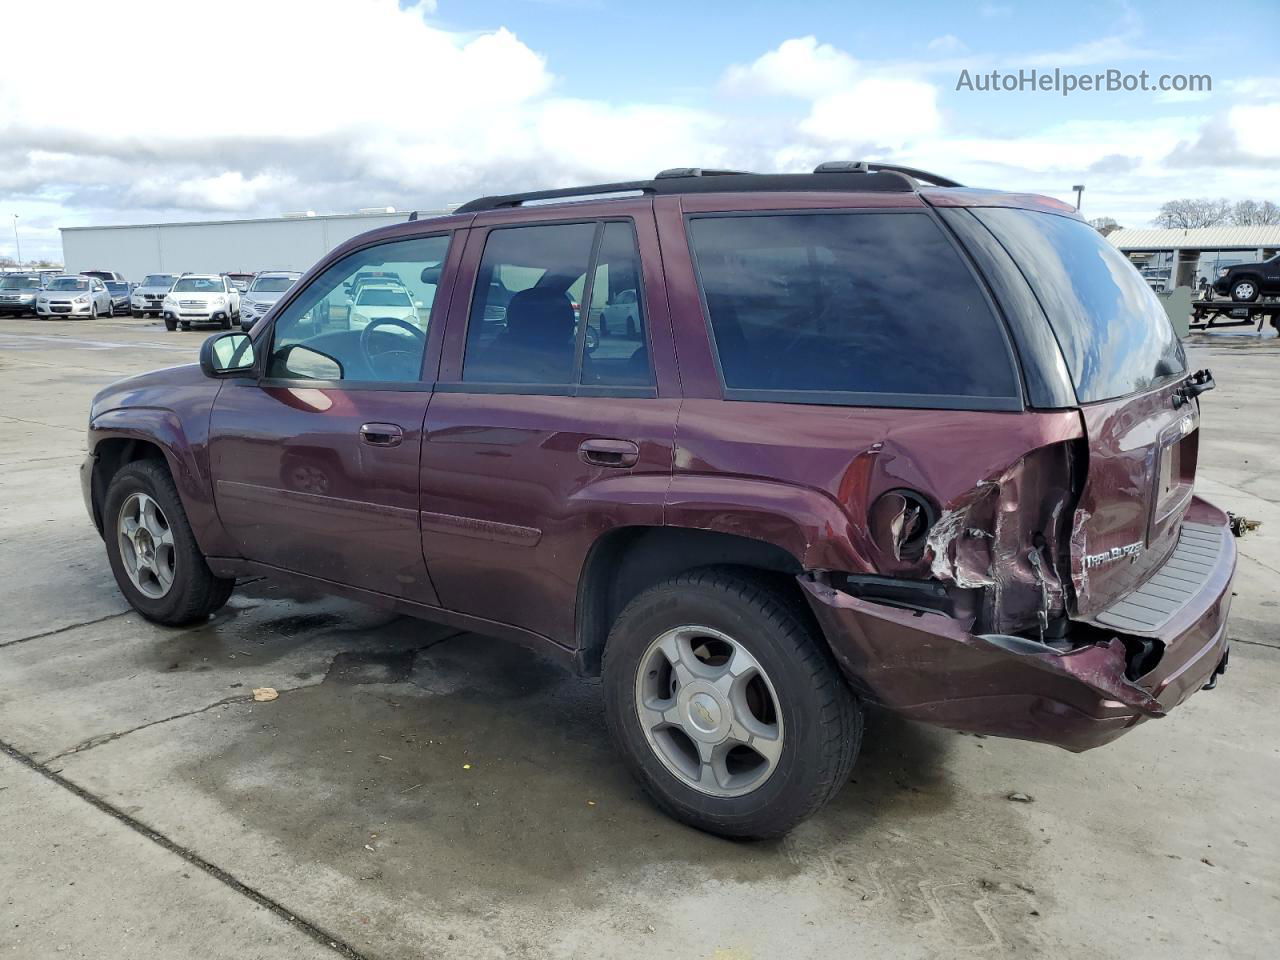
900, 521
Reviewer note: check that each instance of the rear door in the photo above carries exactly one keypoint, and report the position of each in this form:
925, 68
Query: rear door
1127, 366
538, 439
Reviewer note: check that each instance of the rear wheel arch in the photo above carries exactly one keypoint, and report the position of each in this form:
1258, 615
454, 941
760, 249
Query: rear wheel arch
626, 561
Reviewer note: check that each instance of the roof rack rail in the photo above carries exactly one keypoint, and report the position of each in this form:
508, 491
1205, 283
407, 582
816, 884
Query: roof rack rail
674, 172
833, 176
862, 166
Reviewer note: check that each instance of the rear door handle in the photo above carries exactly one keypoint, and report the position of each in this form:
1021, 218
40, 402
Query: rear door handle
600, 452
381, 434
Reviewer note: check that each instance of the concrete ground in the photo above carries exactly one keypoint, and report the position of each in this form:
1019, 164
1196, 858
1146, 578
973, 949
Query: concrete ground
419, 792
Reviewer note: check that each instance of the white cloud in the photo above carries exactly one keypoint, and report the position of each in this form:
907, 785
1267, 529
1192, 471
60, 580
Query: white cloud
947, 44
800, 67
878, 110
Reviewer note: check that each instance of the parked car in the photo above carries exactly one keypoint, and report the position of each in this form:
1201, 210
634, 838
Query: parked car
240, 281
120, 291
814, 483
201, 298
379, 300
18, 293
267, 287
103, 275
621, 315
147, 299
1246, 282
74, 296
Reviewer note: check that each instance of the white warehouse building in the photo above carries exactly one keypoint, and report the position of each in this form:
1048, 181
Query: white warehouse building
292, 242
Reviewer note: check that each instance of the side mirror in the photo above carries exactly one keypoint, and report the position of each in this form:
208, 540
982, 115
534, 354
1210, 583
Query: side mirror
298, 361
227, 355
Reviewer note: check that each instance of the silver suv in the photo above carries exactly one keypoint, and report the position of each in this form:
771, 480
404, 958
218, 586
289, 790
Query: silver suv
267, 287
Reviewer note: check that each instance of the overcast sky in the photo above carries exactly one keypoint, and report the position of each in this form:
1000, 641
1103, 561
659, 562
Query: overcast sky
157, 111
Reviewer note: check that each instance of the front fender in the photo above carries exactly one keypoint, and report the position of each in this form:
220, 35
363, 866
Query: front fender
186, 457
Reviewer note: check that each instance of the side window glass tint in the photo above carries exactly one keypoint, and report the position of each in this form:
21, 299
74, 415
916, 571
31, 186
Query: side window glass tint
524, 312
616, 347
864, 303
365, 318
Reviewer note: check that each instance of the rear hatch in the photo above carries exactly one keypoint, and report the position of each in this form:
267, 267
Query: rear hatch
1127, 366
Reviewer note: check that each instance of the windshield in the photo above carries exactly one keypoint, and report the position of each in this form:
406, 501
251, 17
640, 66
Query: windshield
271, 285
20, 283
69, 283
383, 298
198, 285
158, 280
117, 286
1114, 333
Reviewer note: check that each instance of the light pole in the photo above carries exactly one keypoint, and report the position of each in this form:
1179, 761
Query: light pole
1079, 189
16, 243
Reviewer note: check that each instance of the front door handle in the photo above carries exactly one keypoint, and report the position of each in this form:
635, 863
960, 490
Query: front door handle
381, 434
600, 452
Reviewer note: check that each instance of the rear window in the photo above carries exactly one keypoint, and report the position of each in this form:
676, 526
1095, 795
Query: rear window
1114, 333
875, 308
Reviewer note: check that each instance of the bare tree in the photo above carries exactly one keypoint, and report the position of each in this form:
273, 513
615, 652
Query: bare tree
1189, 214
1105, 225
1252, 213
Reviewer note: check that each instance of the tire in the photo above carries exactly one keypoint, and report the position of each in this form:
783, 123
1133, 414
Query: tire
93, 311
1244, 290
817, 721
170, 325
226, 323
193, 592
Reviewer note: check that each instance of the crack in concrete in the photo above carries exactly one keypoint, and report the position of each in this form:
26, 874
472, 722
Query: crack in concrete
1257, 643
105, 738
72, 626
291, 917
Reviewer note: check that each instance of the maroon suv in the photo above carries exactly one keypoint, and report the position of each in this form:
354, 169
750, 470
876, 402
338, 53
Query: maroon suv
871, 437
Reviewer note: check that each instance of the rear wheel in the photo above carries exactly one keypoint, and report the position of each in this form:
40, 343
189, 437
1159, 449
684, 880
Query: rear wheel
727, 704
1244, 291
153, 554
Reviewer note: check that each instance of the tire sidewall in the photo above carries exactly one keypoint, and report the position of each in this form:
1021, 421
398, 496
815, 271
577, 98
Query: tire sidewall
793, 781
141, 478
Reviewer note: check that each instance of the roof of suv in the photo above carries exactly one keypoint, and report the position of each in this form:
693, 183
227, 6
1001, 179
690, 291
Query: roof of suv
830, 184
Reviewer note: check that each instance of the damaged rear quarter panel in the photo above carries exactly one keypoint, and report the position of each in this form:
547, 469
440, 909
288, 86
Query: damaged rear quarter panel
837, 461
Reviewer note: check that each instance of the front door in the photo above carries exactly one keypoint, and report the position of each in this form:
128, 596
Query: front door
315, 465
546, 430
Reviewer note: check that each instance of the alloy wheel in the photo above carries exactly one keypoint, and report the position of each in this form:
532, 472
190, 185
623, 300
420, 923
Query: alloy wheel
709, 711
146, 545
1244, 291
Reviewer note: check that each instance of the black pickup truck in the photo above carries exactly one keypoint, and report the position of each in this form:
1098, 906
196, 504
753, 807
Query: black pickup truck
1248, 281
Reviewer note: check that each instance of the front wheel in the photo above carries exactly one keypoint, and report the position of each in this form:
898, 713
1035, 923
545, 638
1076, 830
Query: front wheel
1244, 291
727, 704
153, 553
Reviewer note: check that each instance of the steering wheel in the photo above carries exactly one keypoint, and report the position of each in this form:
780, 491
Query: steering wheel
395, 363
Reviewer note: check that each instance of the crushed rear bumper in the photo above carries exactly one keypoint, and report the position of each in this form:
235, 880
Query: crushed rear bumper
929, 667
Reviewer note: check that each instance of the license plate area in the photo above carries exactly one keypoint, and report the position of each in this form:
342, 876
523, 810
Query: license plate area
1175, 473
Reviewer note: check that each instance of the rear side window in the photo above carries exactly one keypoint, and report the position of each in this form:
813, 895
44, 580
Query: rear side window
556, 305
1114, 334
874, 308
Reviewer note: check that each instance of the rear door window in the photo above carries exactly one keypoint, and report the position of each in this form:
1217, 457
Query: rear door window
863, 308
549, 309
1114, 333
